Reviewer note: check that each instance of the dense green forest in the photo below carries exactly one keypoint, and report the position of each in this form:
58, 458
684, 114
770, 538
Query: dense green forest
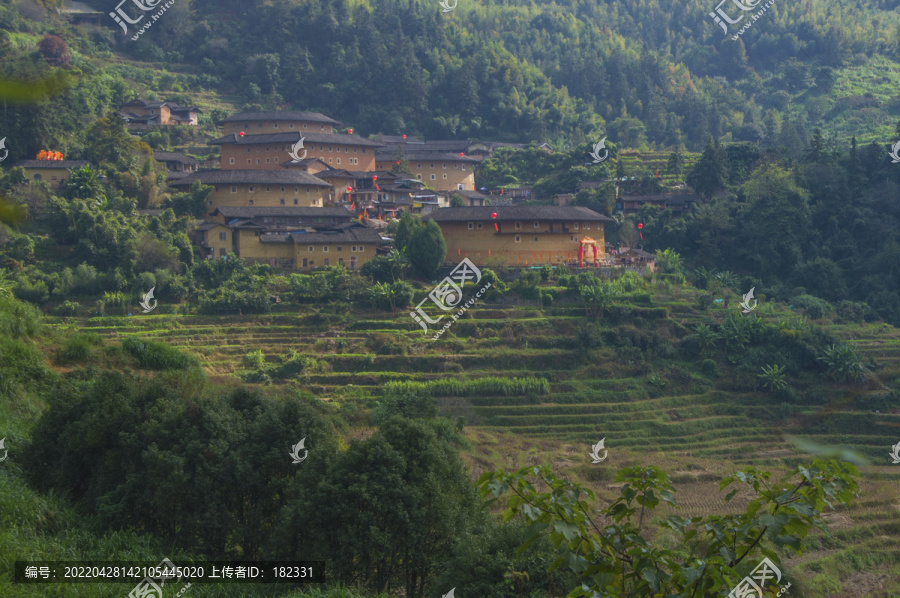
649, 75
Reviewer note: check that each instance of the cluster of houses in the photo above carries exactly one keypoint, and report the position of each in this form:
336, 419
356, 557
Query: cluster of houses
299, 190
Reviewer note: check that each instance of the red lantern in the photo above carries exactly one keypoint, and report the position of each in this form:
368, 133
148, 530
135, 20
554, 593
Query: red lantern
494, 215
242, 133
398, 161
640, 225
460, 154
349, 189
374, 177
350, 131
404, 136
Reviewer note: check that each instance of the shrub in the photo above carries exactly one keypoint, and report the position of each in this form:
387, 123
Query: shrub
33, 292
547, 298
155, 355
813, 307
851, 311
255, 359
78, 347
67, 308
709, 368
844, 364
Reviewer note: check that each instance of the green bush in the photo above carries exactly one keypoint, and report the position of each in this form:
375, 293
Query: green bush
32, 291
67, 308
78, 347
851, 311
154, 355
255, 358
709, 368
844, 364
813, 307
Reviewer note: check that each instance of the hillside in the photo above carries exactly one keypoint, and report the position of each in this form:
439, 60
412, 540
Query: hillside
499, 71
630, 381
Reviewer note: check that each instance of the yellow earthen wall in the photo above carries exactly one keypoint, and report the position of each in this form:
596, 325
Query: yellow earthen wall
550, 248
456, 173
272, 157
307, 197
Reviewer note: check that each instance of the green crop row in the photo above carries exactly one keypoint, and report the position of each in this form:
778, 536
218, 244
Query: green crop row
473, 387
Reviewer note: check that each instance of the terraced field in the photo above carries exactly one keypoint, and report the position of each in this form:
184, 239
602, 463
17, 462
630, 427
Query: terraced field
656, 161
652, 406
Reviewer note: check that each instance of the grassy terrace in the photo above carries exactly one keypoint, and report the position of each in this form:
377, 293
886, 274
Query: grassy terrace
652, 406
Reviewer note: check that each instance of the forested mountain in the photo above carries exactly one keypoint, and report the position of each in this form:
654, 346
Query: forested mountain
648, 73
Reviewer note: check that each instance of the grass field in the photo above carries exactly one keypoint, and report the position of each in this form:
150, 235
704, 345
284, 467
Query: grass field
652, 407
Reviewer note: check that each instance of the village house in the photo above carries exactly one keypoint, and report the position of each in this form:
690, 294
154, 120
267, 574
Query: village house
270, 151
293, 238
52, 171
439, 171
360, 187
177, 164
79, 13
259, 188
151, 113
470, 199
307, 250
528, 235
253, 123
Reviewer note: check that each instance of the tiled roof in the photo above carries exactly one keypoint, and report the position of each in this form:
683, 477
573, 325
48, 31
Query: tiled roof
356, 174
52, 163
303, 162
392, 155
470, 194
398, 139
357, 234
507, 213
244, 177
260, 211
278, 117
292, 137
174, 157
